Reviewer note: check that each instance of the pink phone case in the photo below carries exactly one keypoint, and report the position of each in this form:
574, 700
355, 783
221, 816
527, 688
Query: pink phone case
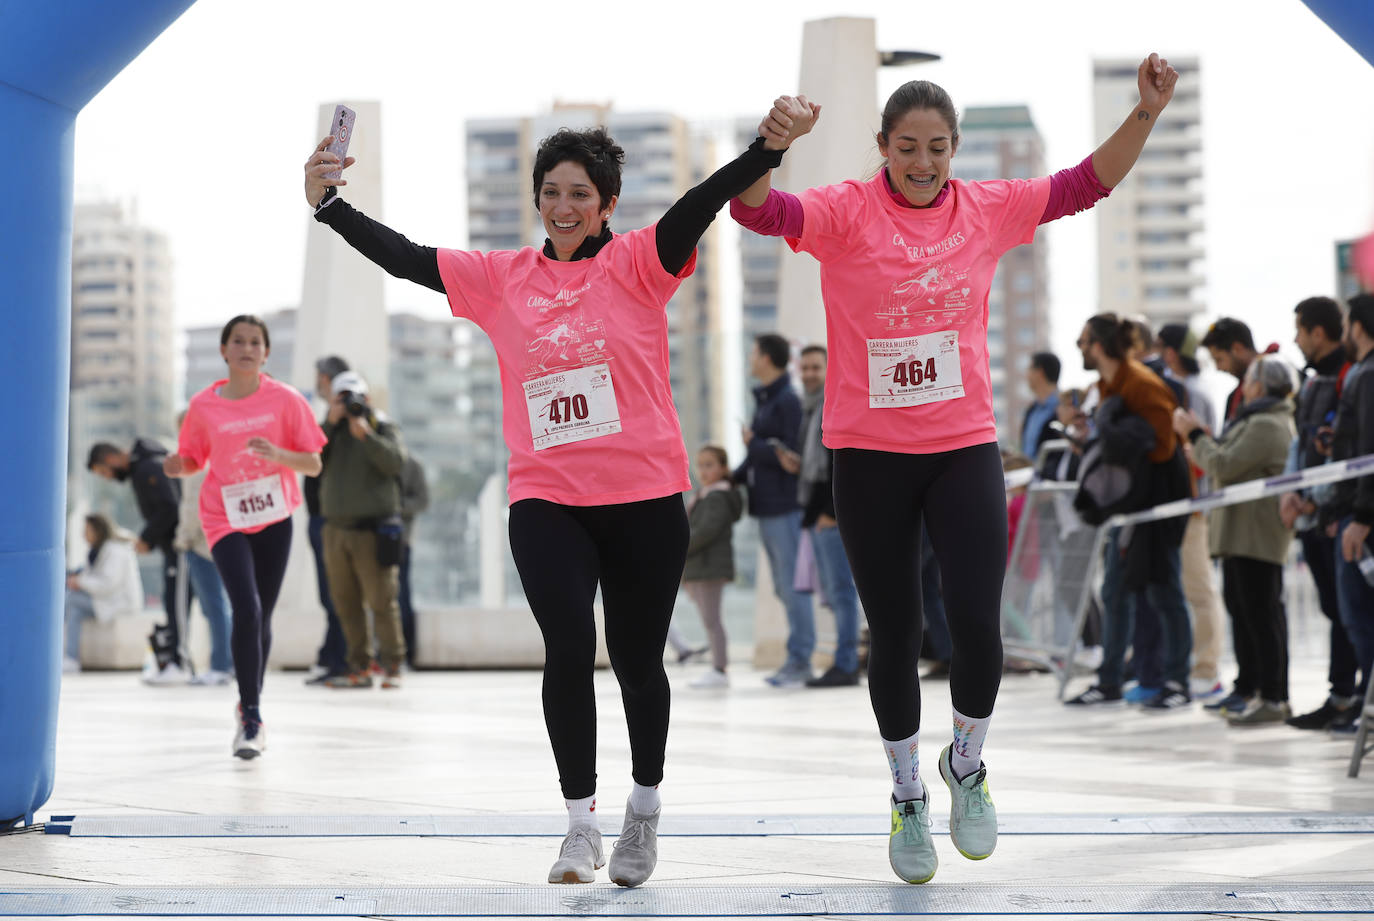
342, 130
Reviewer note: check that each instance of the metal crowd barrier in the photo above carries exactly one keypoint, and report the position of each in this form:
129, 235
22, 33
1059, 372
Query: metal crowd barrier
1043, 620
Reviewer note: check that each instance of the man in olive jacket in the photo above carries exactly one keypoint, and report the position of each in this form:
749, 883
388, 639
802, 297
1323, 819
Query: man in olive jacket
1251, 538
360, 496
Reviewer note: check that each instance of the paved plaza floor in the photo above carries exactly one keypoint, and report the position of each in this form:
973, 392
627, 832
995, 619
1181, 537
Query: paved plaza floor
472, 744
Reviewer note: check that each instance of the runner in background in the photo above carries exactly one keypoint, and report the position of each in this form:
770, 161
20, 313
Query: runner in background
254, 434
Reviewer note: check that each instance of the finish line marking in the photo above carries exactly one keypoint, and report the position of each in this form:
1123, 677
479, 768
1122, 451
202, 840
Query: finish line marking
555, 826
670, 901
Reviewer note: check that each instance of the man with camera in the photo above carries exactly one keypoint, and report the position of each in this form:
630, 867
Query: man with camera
360, 497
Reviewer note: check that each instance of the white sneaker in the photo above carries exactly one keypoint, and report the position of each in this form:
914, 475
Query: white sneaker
171, 674
709, 680
579, 858
70, 666
212, 678
250, 739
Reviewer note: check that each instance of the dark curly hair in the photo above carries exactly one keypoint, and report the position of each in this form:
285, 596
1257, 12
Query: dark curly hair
593, 148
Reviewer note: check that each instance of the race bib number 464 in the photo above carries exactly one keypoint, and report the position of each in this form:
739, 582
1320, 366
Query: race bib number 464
914, 371
254, 503
569, 406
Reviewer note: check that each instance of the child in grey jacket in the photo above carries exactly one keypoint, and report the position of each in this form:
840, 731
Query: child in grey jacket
712, 510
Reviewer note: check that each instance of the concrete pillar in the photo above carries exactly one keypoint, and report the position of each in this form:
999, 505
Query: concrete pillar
839, 69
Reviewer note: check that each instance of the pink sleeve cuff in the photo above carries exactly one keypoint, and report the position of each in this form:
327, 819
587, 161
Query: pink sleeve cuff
1074, 190
780, 215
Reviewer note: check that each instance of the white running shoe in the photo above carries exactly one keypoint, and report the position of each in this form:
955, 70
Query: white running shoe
579, 858
212, 678
70, 666
171, 673
710, 680
251, 738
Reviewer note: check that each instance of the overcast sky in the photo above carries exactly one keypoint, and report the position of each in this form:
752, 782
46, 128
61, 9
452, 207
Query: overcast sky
208, 129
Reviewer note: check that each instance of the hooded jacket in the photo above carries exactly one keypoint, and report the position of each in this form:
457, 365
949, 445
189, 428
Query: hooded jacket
158, 496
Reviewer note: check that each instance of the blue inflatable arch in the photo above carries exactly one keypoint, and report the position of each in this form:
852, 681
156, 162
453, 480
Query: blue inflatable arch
55, 55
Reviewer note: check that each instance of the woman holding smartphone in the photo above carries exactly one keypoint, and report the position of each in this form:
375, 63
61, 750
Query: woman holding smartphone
254, 434
597, 460
907, 261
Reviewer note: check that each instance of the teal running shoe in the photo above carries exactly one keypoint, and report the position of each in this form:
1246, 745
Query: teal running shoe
972, 817
909, 848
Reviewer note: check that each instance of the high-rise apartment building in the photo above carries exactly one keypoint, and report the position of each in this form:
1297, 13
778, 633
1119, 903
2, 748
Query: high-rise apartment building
1150, 251
663, 158
122, 382
1002, 142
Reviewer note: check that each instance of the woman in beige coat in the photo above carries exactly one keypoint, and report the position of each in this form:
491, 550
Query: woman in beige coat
1250, 538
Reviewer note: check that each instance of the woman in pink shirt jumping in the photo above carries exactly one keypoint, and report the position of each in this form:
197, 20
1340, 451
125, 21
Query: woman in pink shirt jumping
907, 259
597, 459
254, 434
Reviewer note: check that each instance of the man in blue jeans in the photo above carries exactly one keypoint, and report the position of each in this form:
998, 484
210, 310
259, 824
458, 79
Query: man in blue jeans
773, 497
817, 499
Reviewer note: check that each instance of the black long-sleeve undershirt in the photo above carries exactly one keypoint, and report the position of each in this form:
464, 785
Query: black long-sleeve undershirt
676, 237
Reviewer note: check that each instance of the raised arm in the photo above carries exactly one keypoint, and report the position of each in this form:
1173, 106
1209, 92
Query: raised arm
379, 243
681, 228
1114, 159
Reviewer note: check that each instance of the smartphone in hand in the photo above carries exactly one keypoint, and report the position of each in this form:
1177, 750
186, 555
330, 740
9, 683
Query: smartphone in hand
342, 129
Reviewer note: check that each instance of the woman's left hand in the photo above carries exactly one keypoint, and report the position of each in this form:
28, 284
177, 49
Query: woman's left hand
264, 449
1155, 79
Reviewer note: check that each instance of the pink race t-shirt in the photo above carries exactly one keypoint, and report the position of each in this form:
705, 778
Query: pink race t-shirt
906, 307
587, 409
243, 492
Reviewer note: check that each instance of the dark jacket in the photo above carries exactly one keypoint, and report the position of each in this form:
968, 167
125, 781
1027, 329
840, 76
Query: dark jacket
158, 495
1353, 437
772, 490
1145, 394
414, 493
361, 479
711, 550
1316, 405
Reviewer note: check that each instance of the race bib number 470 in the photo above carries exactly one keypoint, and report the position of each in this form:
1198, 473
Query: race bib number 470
914, 371
255, 503
569, 406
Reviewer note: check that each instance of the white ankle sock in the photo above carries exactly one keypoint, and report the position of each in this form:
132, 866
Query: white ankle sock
966, 754
644, 800
581, 812
905, 765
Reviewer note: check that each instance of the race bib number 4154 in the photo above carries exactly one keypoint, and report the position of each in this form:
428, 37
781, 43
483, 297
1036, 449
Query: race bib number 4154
569, 406
254, 503
914, 371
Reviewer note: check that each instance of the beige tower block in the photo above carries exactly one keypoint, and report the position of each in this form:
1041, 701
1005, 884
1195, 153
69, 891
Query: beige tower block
342, 310
839, 69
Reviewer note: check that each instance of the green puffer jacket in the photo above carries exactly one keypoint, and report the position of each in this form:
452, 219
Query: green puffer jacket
1253, 447
711, 549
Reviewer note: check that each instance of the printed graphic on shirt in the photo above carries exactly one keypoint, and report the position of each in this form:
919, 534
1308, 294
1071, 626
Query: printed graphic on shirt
933, 297
252, 487
570, 341
914, 371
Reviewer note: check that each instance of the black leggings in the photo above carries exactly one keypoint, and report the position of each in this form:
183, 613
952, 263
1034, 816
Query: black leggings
251, 566
636, 551
880, 500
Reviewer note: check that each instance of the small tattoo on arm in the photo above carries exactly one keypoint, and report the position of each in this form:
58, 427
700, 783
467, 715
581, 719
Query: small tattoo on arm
1142, 115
